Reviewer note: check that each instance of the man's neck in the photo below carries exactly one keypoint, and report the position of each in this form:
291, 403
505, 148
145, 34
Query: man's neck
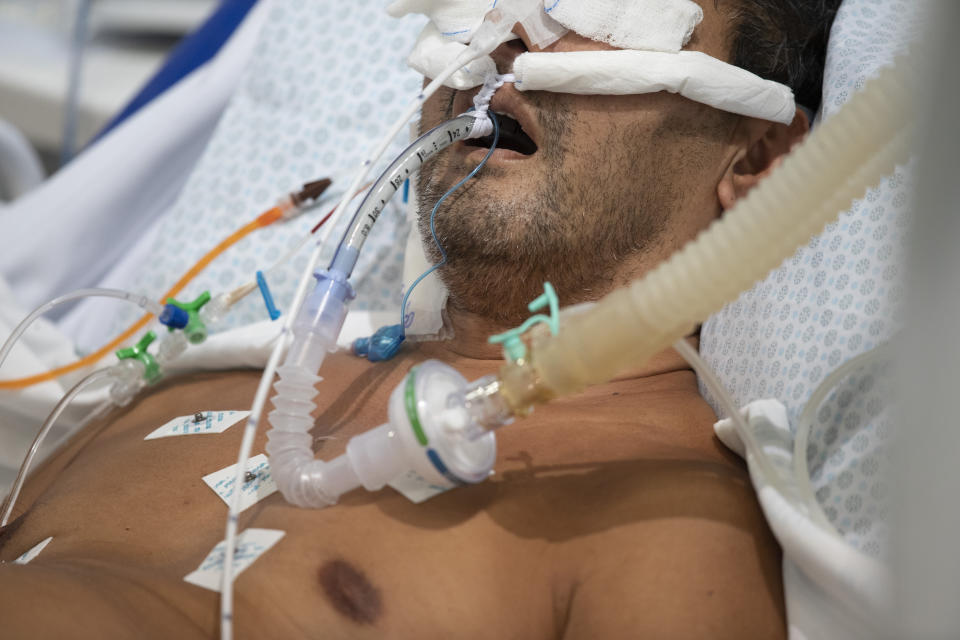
470, 345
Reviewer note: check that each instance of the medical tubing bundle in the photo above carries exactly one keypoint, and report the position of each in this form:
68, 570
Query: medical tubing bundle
303, 480
267, 218
850, 152
297, 247
96, 376
489, 35
150, 306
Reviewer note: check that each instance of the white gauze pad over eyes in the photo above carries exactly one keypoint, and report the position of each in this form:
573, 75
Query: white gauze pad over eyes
454, 19
651, 34
432, 53
692, 74
658, 25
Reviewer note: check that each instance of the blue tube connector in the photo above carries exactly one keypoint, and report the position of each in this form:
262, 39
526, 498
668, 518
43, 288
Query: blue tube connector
272, 310
382, 345
318, 324
174, 317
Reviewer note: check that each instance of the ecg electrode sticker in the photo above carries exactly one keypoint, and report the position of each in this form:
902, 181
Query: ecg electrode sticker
33, 553
258, 482
200, 422
251, 544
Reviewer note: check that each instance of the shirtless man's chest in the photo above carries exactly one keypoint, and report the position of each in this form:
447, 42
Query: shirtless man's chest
613, 514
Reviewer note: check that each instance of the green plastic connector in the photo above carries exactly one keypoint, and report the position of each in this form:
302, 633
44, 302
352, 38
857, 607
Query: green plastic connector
513, 346
151, 370
196, 329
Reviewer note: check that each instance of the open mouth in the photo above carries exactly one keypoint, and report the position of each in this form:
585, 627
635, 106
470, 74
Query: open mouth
512, 137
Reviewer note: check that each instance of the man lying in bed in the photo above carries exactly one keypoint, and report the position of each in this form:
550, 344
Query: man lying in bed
615, 513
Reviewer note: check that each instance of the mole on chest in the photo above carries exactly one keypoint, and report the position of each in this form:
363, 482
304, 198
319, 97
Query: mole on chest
350, 592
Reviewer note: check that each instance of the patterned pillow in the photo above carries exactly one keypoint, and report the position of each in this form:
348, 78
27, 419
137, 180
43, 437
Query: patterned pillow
835, 299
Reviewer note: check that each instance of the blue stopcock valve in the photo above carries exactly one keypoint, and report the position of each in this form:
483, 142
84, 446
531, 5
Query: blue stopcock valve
186, 316
382, 345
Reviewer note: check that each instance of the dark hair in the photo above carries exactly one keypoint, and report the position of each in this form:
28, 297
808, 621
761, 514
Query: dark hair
784, 41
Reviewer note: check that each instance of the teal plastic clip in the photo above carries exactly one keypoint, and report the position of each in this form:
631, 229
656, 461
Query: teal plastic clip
151, 369
513, 346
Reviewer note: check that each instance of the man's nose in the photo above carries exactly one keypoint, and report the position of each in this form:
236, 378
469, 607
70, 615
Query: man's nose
506, 53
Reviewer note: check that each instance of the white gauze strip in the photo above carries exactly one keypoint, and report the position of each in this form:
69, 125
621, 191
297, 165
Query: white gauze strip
483, 126
691, 74
658, 25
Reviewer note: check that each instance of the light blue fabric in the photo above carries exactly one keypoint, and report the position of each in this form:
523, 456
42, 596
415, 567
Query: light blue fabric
325, 82
835, 299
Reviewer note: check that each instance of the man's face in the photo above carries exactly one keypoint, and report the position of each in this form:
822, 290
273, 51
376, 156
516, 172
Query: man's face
615, 184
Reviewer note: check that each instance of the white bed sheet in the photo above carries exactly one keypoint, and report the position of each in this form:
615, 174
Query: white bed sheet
71, 232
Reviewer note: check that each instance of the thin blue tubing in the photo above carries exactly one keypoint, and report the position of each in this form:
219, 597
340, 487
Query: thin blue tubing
433, 215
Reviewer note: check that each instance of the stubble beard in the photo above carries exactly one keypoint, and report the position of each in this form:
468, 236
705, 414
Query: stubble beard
574, 225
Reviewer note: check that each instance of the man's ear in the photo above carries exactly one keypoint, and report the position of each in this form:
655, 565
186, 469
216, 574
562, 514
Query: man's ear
763, 147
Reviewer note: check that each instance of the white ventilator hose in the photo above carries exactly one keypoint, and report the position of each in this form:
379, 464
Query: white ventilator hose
93, 378
490, 34
850, 152
142, 301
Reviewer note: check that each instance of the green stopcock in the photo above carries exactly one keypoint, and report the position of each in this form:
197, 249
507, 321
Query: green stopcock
513, 346
196, 330
151, 370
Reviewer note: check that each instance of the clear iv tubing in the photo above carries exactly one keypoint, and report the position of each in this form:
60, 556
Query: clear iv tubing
705, 373
848, 153
96, 376
268, 217
806, 418
433, 219
142, 301
489, 35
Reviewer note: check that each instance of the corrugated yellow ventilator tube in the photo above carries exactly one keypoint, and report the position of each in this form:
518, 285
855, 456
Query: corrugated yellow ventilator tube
843, 157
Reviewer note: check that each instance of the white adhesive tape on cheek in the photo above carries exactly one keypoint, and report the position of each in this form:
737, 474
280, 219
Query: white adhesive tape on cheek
692, 74
658, 25
432, 53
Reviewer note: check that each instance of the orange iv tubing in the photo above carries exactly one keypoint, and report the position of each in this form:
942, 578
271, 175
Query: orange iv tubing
265, 219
